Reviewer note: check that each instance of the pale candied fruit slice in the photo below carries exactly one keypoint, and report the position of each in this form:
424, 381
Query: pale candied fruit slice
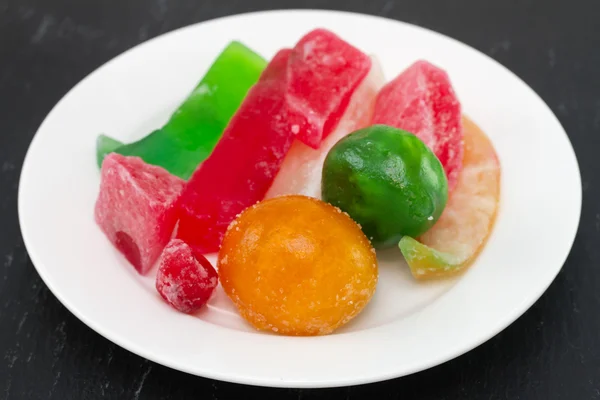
455, 240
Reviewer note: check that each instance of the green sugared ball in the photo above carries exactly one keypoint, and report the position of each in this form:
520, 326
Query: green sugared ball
389, 182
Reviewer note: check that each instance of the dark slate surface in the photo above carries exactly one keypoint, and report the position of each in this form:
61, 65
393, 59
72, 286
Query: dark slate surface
552, 352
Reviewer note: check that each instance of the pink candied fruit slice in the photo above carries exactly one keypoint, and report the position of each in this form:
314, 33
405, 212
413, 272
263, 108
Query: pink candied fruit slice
136, 208
323, 71
185, 278
246, 160
302, 167
422, 101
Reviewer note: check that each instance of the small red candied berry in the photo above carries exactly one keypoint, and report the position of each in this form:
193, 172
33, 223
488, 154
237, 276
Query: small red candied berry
185, 278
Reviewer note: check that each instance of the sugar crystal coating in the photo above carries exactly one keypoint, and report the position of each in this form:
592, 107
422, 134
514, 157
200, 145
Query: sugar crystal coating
136, 208
185, 278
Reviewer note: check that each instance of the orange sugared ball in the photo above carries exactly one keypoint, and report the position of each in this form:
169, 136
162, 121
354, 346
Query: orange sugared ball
295, 265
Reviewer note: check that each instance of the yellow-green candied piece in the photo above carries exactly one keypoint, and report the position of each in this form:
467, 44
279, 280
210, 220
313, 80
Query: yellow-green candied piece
427, 263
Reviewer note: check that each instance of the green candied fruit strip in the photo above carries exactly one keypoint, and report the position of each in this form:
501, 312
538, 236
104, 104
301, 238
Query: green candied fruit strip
221, 91
426, 263
105, 145
196, 126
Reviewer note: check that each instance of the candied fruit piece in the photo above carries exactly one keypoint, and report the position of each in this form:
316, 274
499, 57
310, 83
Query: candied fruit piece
185, 278
295, 265
389, 182
136, 208
243, 164
323, 73
421, 100
461, 232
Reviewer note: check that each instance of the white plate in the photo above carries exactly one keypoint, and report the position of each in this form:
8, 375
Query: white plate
408, 326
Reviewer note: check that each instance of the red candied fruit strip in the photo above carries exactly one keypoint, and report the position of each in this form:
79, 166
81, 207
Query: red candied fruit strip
243, 164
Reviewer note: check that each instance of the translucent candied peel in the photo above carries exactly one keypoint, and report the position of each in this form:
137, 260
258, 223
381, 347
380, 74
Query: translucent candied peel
294, 265
455, 240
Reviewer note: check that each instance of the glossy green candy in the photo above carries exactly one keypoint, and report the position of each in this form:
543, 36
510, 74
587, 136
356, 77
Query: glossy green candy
389, 182
195, 127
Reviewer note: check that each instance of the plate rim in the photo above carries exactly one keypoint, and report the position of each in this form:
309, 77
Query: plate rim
248, 379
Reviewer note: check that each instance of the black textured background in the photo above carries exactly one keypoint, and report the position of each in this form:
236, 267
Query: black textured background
47, 46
